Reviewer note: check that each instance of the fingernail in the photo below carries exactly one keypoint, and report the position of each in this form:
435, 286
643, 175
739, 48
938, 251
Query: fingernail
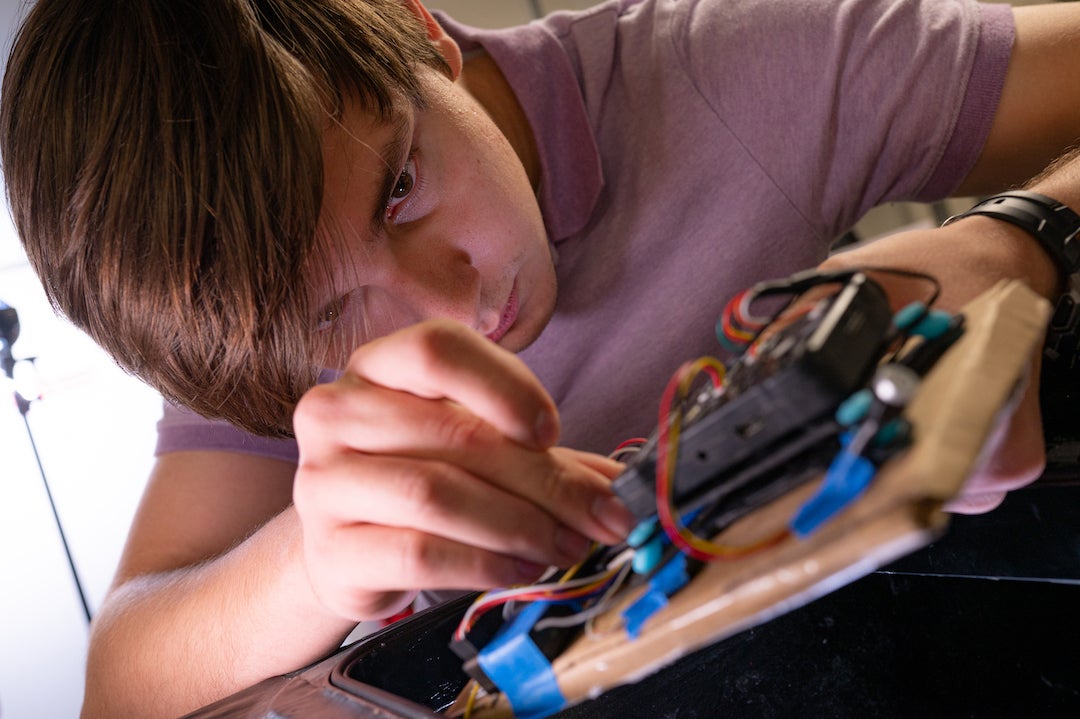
546, 429
615, 517
572, 545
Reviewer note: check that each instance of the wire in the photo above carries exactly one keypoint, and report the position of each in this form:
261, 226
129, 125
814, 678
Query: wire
910, 274
667, 448
471, 701
23, 405
630, 446
560, 591
741, 331
739, 328
599, 607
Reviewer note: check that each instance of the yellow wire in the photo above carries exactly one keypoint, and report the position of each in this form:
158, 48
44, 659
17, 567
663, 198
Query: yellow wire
569, 573
744, 335
689, 374
472, 699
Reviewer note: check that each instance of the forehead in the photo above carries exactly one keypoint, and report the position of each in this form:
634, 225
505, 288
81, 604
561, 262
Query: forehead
362, 156
362, 134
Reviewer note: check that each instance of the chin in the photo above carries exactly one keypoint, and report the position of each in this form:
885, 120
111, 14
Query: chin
515, 341
527, 331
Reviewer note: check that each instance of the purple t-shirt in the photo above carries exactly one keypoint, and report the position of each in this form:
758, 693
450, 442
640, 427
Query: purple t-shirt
690, 149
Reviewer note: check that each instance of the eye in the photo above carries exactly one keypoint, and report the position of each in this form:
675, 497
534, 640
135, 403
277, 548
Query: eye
406, 181
330, 314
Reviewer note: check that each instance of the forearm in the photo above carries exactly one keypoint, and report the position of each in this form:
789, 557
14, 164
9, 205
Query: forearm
166, 644
1013, 252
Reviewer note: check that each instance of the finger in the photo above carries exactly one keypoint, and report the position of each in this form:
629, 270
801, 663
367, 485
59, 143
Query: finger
438, 499
444, 360
375, 420
371, 560
1016, 456
606, 466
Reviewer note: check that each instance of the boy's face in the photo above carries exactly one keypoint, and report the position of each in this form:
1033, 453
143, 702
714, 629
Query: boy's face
435, 218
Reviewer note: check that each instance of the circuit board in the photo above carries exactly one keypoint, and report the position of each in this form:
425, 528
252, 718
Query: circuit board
759, 530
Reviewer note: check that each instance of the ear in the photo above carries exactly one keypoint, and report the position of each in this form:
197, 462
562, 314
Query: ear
445, 44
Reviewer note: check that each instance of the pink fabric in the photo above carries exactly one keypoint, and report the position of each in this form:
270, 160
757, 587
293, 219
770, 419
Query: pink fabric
690, 149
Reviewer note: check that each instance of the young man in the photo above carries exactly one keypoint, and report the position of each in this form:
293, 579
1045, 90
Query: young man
231, 196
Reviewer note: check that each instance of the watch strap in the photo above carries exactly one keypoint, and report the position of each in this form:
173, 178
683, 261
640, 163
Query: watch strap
1050, 222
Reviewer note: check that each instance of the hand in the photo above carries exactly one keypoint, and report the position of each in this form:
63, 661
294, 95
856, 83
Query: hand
968, 257
429, 464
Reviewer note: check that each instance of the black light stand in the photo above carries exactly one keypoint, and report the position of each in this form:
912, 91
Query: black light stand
9, 332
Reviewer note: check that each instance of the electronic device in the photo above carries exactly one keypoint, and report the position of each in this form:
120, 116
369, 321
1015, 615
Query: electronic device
773, 408
892, 436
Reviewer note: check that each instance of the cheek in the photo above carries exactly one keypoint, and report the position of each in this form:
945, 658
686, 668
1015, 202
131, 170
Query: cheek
497, 217
372, 313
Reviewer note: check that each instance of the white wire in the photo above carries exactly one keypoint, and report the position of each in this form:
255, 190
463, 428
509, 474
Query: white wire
589, 613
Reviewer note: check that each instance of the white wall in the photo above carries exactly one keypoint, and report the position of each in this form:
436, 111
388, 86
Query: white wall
94, 431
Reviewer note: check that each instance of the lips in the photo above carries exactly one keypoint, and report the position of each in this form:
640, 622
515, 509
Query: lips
509, 316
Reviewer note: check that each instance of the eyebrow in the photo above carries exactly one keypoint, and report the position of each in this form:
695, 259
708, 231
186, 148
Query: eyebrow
390, 154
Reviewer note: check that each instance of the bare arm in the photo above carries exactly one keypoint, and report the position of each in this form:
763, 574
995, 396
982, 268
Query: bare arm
428, 465
1038, 117
208, 591
1036, 124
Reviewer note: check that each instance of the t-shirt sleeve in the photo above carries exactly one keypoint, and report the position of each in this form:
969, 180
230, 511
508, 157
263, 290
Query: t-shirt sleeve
180, 429
876, 100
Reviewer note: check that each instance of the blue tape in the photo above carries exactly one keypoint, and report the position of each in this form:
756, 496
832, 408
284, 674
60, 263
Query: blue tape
521, 671
670, 579
847, 477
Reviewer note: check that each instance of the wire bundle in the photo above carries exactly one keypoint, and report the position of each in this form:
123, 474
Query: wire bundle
566, 589
667, 450
744, 333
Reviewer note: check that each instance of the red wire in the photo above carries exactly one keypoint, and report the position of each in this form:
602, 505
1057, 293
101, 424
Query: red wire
668, 520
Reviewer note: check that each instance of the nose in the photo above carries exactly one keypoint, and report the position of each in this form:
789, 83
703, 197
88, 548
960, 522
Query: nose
434, 278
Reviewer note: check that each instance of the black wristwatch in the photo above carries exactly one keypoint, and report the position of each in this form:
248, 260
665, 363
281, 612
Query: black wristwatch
1057, 228
1050, 222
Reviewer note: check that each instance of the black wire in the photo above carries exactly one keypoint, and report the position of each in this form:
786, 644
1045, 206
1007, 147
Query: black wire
796, 285
24, 407
911, 274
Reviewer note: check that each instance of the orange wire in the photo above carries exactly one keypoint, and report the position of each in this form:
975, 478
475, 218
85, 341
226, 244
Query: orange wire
666, 461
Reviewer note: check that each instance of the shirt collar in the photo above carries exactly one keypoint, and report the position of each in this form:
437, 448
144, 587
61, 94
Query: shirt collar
543, 78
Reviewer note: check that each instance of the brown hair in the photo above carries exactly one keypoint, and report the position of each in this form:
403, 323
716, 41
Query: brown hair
164, 172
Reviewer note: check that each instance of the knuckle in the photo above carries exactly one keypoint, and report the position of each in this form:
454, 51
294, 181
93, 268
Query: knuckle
417, 555
459, 428
301, 494
565, 487
437, 338
487, 569
306, 488
422, 491
315, 407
